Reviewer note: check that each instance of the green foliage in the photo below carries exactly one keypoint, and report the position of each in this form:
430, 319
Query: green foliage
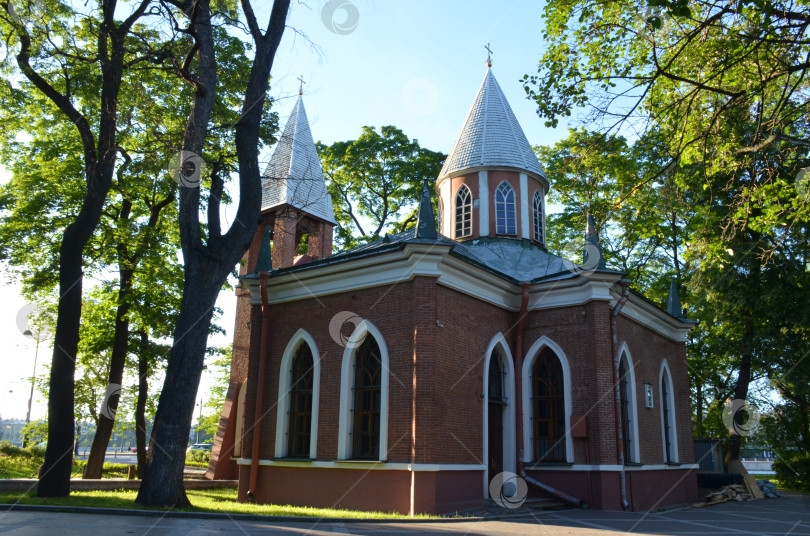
36, 431
375, 182
718, 92
109, 469
198, 456
31, 452
16, 462
793, 471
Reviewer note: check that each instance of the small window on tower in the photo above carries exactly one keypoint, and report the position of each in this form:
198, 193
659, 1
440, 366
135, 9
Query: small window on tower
463, 212
505, 220
537, 212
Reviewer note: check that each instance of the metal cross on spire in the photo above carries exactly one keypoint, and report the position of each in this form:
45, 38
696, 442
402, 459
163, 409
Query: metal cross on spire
489, 55
301, 86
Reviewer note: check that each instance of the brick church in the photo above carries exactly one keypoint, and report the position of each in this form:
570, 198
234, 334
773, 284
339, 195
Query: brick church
405, 374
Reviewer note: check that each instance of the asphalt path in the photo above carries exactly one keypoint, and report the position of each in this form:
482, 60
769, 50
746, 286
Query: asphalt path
784, 517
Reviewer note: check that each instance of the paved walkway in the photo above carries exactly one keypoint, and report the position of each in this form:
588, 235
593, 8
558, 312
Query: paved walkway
789, 517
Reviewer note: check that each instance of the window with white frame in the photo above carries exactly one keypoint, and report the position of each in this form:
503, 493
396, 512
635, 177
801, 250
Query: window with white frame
298, 383
299, 429
537, 215
669, 434
548, 408
627, 406
505, 215
463, 212
363, 425
366, 398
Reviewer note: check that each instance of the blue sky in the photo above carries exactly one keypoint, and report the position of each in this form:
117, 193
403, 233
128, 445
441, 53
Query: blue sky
416, 65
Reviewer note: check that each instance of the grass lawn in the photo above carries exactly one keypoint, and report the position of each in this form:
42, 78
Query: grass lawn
18, 467
220, 500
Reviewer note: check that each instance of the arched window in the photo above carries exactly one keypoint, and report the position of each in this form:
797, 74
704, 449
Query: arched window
363, 425
627, 405
505, 220
496, 376
669, 433
366, 394
463, 212
548, 408
537, 214
297, 416
300, 419
500, 425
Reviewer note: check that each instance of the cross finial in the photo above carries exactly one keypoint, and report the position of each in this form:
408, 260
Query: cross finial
301, 85
489, 55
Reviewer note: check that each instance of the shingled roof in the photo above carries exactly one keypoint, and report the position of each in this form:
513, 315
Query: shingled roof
491, 136
294, 174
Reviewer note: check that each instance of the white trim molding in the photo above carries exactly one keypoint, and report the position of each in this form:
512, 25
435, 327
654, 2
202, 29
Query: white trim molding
367, 466
528, 363
612, 467
284, 383
509, 431
671, 414
524, 207
483, 204
357, 337
632, 398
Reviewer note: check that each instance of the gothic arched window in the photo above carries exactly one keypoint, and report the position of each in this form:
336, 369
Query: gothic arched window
537, 214
366, 393
627, 406
548, 408
300, 423
668, 418
463, 212
505, 217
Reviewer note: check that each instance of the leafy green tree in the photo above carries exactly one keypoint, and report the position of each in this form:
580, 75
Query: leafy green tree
209, 255
375, 182
724, 86
694, 71
72, 62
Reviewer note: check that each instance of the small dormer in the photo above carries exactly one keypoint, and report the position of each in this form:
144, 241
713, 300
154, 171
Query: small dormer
492, 183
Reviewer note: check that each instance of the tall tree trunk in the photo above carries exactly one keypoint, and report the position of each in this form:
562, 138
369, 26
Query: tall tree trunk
741, 389
54, 478
207, 265
106, 421
163, 477
140, 407
99, 156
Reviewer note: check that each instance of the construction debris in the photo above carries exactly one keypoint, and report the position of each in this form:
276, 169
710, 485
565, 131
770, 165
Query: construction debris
751, 489
769, 489
734, 492
751, 485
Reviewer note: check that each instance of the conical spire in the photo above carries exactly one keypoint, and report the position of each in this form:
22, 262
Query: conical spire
425, 222
592, 254
674, 299
294, 175
264, 263
491, 136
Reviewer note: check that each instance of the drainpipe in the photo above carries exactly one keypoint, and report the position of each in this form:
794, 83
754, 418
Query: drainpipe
521, 470
625, 284
257, 418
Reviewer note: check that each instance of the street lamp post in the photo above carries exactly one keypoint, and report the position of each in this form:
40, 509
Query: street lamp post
28, 333
199, 422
